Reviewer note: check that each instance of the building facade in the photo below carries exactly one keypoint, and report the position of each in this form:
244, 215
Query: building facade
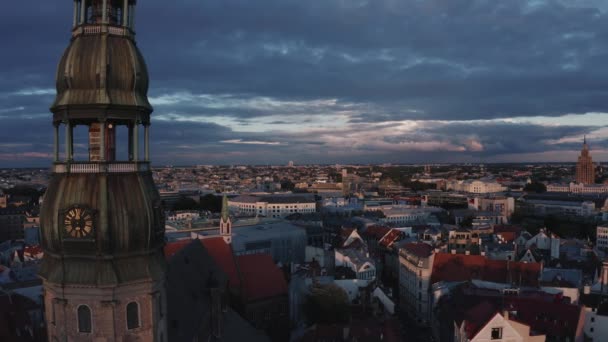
103, 269
475, 186
585, 169
578, 188
602, 236
415, 267
273, 206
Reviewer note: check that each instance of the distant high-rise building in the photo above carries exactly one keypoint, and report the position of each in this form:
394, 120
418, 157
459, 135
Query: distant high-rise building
290, 164
103, 270
585, 169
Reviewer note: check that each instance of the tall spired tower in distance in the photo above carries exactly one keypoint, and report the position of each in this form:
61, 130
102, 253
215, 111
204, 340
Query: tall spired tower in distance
103, 270
585, 169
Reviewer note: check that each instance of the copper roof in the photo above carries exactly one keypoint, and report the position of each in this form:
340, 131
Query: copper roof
101, 71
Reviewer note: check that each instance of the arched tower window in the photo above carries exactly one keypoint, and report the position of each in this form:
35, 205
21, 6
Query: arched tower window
84, 319
132, 315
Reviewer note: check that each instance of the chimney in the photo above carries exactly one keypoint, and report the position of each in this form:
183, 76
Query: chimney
586, 289
505, 314
605, 273
453, 251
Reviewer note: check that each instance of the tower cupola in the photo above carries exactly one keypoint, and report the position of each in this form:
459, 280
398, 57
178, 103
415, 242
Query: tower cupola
102, 222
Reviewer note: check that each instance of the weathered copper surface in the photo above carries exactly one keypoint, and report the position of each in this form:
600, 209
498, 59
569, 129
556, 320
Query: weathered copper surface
101, 74
128, 229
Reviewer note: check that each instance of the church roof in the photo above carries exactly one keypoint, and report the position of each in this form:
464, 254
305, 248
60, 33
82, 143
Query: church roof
261, 277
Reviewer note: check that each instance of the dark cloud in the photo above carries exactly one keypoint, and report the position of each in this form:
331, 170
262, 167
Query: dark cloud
365, 62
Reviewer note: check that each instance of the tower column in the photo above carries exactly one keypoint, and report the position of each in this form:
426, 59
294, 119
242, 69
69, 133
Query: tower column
130, 146
104, 15
132, 15
125, 13
56, 142
147, 142
68, 141
102, 142
75, 21
83, 11
136, 142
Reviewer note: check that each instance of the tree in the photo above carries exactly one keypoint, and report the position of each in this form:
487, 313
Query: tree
537, 187
287, 185
327, 304
185, 203
467, 222
211, 203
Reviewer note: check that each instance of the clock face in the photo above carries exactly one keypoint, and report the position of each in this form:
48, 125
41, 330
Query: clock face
78, 223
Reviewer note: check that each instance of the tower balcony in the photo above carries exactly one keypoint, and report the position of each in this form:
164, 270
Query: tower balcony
100, 167
94, 29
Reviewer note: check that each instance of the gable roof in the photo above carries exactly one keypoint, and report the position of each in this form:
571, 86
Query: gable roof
260, 277
458, 267
391, 237
222, 254
419, 249
220, 251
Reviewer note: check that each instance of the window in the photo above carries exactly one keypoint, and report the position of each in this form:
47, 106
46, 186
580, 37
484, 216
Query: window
160, 307
53, 313
496, 334
84, 319
132, 315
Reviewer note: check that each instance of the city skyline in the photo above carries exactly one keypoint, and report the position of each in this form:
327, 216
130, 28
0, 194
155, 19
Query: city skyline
337, 82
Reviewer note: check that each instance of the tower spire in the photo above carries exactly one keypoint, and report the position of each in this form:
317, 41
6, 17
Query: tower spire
102, 211
225, 222
225, 211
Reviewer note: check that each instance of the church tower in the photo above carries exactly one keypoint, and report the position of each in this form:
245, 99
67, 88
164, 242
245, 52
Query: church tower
103, 269
225, 222
585, 169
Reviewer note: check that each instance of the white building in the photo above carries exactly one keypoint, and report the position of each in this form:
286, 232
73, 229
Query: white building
594, 324
579, 188
602, 236
543, 241
543, 207
498, 328
275, 206
498, 204
354, 255
415, 267
475, 186
190, 215
399, 215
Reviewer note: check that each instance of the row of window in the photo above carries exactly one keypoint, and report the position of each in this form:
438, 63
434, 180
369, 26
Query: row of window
85, 320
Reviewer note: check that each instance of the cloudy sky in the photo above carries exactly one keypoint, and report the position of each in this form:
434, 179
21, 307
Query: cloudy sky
336, 81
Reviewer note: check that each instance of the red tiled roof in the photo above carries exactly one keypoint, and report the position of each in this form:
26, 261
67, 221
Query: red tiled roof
376, 232
507, 229
172, 248
508, 236
261, 278
458, 267
419, 249
391, 237
222, 254
33, 250
220, 251
477, 317
551, 317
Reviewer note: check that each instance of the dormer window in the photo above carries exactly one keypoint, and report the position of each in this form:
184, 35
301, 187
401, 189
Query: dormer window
496, 334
